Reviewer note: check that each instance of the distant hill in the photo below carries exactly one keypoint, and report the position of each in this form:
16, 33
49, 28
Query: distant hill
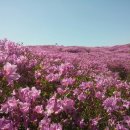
80, 49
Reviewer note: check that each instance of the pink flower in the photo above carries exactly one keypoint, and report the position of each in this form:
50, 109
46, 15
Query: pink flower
81, 123
22, 59
38, 109
127, 120
126, 104
44, 123
121, 127
67, 81
95, 121
24, 94
10, 105
53, 106
6, 124
99, 95
66, 67
62, 90
34, 93
55, 126
68, 104
4, 108
10, 72
28, 95
76, 92
52, 77
24, 107
86, 85
82, 97
110, 104
37, 74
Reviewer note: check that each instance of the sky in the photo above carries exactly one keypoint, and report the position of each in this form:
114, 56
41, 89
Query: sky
66, 22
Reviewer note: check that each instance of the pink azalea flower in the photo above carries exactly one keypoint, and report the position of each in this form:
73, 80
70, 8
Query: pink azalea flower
52, 77
121, 127
55, 126
6, 124
24, 94
61, 90
127, 120
45, 123
82, 97
64, 68
37, 74
22, 59
68, 104
53, 106
110, 104
34, 93
10, 105
38, 109
67, 81
28, 95
10, 72
99, 95
24, 107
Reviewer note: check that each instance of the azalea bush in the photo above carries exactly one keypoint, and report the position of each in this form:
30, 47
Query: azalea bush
59, 88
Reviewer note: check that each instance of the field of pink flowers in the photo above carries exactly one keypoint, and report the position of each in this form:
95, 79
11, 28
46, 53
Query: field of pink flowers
64, 88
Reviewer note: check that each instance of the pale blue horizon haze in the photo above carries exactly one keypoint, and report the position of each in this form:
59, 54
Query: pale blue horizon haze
66, 22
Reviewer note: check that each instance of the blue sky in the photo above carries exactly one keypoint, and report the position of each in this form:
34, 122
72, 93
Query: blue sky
66, 22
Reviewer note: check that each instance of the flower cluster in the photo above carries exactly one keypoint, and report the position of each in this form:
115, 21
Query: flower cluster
64, 88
